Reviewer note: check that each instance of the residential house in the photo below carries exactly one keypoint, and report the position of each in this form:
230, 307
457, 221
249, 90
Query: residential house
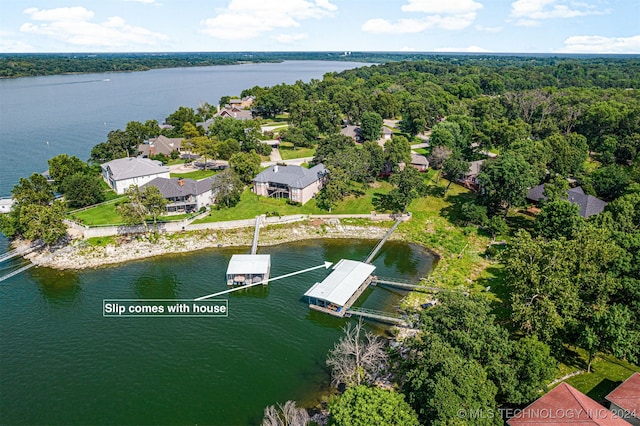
273, 143
235, 112
245, 102
354, 132
625, 400
387, 133
124, 172
6, 204
419, 162
565, 405
160, 145
588, 204
185, 195
296, 183
470, 178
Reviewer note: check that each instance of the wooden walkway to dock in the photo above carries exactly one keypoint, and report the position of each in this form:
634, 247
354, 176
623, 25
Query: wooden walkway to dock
17, 252
17, 271
406, 285
381, 316
256, 234
384, 239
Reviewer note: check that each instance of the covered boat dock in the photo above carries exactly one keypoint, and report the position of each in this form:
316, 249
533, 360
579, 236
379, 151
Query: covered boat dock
336, 293
247, 269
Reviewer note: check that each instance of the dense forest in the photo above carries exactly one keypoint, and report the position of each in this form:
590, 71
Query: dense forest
566, 282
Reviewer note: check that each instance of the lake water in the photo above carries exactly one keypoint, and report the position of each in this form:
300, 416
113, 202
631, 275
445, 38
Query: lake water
41, 117
61, 362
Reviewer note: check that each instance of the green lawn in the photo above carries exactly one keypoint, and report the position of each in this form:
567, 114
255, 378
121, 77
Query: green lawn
607, 372
252, 205
288, 152
104, 214
422, 151
197, 175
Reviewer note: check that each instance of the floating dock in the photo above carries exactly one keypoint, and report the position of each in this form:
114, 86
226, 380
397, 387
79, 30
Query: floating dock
336, 293
245, 269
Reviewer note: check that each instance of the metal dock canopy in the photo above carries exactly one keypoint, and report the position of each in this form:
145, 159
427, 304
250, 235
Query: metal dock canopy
341, 285
248, 268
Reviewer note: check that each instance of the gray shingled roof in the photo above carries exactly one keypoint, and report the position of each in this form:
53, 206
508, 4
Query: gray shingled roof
171, 188
162, 145
474, 168
292, 176
131, 167
419, 159
588, 204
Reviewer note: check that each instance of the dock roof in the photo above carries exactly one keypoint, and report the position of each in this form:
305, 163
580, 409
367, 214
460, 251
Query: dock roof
249, 264
342, 283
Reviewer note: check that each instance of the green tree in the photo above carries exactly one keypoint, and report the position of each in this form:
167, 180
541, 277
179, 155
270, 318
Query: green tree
246, 165
397, 150
437, 373
439, 155
374, 157
409, 185
180, 117
28, 192
334, 190
142, 202
534, 368
365, 406
539, 277
371, 126
473, 213
558, 219
454, 167
414, 118
82, 190
556, 189
205, 147
505, 182
43, 222
227, 188
62, 166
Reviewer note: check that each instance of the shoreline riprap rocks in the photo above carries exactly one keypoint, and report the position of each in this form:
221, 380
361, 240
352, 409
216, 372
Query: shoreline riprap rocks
80, 255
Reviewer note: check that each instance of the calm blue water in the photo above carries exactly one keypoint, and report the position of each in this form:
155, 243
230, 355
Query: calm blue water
41, 117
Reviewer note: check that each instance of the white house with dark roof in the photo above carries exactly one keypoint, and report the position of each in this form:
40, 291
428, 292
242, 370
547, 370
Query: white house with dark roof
120, 174
185, 195
588, 204
296, 183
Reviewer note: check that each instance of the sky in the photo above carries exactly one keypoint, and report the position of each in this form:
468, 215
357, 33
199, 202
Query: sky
500, 26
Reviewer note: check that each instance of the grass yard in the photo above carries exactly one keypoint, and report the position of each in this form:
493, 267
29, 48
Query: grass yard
197, 175
104, 214
288, 152
607, 372
422, 151
252, 205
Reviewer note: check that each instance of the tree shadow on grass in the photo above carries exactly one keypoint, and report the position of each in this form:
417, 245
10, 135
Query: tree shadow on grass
602, 389
383, 203
453, 213
572, 358
520, 221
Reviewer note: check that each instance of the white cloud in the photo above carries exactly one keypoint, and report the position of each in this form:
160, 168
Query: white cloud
441, 6
290, 38
73, 25
245, 19
444, 14
143, 1
12, 45
528, 12
470, 49
488, 29
408, 49
599, 44
402, 26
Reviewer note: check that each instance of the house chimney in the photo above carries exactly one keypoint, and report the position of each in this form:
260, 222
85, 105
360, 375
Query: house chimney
275, 169
181, 181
